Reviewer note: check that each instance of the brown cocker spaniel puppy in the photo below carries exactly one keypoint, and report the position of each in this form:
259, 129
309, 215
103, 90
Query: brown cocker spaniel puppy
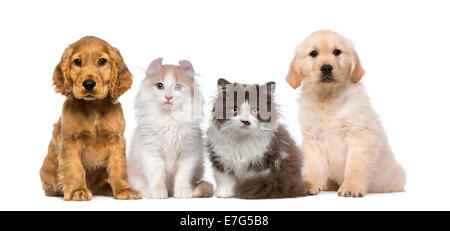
87, 152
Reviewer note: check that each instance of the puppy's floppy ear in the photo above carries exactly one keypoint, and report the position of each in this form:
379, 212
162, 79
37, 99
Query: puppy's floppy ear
294, 78
357, 71
61, 76
121, 78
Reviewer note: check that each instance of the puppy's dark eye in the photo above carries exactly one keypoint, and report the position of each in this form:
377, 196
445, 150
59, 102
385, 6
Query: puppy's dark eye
77, 62
313, 53
101, 62
159, 86
337, 52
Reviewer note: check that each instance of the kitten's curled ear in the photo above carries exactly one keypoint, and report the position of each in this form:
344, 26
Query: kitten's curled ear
271, 86
61, 75
187, 68
154, 67
121, 79
222, 83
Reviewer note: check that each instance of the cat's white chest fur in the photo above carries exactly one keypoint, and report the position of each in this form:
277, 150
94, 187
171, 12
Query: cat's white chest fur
238, 150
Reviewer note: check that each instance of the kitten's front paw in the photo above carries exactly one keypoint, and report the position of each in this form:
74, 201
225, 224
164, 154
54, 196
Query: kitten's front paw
351, 190
223, 192
156, 194
185, 192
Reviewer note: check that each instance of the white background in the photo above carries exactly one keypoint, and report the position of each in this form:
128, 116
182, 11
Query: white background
403, 46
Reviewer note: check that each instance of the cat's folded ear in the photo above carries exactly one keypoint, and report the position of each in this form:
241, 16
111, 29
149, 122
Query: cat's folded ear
222, 83
271, 86
187, 68
154, 67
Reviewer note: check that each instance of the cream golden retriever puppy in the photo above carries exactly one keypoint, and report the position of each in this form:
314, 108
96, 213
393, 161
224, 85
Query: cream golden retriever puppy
345, 146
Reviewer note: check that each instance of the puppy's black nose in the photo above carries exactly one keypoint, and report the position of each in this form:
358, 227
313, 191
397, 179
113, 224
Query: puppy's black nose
89, 85
326, 68
245, 122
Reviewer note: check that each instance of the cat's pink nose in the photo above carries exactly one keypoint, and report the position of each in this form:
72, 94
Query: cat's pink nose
169, 98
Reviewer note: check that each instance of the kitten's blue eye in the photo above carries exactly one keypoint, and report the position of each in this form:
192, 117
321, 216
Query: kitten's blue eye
160, 86
178, 87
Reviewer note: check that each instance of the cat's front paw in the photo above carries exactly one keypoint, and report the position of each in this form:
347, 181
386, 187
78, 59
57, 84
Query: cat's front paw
184, 192
156, 194
224, 192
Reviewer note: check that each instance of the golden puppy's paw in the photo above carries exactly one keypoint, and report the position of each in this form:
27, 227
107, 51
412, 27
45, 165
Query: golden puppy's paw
351, 190
127, 194
313, 188
78, 195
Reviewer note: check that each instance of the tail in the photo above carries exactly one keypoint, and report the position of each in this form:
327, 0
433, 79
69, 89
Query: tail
203, 189
271, 186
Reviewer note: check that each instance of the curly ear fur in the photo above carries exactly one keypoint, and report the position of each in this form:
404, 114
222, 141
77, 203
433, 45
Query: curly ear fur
121, 79
61, 78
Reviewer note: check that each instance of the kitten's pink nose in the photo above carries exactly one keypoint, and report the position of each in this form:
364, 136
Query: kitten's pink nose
169, 98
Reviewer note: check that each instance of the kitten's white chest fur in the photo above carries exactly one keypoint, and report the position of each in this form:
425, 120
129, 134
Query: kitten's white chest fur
238, 150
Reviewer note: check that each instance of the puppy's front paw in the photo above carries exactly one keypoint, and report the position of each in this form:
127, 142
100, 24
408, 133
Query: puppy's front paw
184, 192
78, 195
224, 192
127, 194
351, 190
313, 188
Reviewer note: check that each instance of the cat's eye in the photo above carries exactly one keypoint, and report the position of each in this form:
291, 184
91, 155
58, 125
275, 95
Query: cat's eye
337, 52
235, 110
159, 86
101, 62
255, 111
178, 87
77, 62
313, 53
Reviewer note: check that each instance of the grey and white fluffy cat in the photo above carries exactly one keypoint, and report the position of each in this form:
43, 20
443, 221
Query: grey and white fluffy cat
166, 155
252, 154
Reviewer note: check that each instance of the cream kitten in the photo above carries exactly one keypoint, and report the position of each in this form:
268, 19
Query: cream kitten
166, 155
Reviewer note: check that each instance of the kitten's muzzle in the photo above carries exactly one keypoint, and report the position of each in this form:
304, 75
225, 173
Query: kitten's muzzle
246, 122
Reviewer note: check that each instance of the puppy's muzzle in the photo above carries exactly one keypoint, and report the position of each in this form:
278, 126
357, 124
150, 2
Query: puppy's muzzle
89, 85
327, 73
